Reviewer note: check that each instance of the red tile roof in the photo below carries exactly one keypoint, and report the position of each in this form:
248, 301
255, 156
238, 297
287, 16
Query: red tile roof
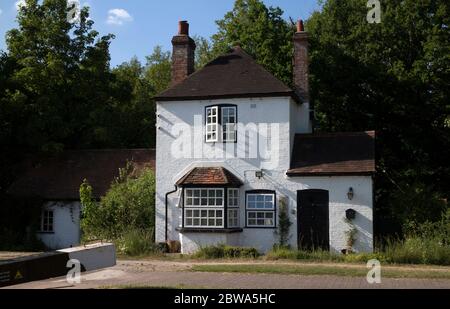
217, 176
59, 178
333, 154
233, 75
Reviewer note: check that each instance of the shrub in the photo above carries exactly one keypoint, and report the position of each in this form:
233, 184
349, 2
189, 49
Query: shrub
224, 251
129, 205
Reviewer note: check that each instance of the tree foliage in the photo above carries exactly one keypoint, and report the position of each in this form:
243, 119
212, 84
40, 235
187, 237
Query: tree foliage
392, 77
262, 32
128, 205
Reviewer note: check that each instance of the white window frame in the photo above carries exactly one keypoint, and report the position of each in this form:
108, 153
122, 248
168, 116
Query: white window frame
212, 124
47, 224
217, 125
234, 213
266, 216
257, 204
199, 212
229, 129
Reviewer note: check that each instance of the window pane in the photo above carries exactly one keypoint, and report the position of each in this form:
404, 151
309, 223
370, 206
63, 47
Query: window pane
189, 222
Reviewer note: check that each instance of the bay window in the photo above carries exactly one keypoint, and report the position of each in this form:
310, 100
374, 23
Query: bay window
213, 208
204, 208
260, 209
233, 208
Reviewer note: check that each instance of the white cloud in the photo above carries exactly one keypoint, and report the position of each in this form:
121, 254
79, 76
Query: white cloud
1, 11
19, 4
118, 17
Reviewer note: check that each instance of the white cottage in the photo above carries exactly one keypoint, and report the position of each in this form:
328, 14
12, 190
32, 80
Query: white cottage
56, 183
234, 143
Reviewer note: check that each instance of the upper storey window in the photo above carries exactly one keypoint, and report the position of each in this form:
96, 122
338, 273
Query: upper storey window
221, 124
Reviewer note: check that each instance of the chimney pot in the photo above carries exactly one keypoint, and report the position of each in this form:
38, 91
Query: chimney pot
183, 28
300, 26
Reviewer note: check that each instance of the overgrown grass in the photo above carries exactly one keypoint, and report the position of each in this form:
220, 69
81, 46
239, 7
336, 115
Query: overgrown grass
413, 250
138, 243
320, 270
228, 252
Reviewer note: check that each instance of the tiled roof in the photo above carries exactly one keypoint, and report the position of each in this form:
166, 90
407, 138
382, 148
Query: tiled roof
59, 178
217, 176
232, 75
333, 154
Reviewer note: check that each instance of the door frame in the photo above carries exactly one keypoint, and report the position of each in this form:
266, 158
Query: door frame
299, 207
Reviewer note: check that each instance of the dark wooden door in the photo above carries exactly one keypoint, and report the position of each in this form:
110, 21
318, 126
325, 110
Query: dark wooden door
313, 219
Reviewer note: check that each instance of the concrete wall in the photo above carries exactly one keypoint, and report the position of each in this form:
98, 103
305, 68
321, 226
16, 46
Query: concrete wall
281, 111
66, 225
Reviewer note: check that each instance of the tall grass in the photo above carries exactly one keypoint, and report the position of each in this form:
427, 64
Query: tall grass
137, 243
413, 250
417, 250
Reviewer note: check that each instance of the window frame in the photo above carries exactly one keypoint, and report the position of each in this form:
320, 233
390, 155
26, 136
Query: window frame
220, 132
272, 210
235, 208
45, 221
215, 124
200, 208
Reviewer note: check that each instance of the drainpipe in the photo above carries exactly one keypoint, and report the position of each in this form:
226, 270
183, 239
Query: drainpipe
167, 210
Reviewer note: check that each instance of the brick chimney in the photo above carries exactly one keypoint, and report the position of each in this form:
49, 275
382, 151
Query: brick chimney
183, 54
301, 64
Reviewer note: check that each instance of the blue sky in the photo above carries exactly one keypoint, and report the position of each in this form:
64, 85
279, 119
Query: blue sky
139, 25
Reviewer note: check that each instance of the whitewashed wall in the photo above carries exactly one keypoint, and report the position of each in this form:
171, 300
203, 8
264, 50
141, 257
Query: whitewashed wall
66, 225
282, 111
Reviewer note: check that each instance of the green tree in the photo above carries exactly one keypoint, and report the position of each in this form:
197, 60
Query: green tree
133, 113
62, 76
158, 70
262, 32
128, 205
392, 77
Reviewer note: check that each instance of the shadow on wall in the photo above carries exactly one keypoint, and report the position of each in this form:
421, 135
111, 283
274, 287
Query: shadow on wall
364, 237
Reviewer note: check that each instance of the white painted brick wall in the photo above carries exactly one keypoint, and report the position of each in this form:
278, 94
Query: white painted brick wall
269, 110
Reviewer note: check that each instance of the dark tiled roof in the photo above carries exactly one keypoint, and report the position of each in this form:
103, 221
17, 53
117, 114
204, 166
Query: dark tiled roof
232, 75
59, 178
217, 176
333, 154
